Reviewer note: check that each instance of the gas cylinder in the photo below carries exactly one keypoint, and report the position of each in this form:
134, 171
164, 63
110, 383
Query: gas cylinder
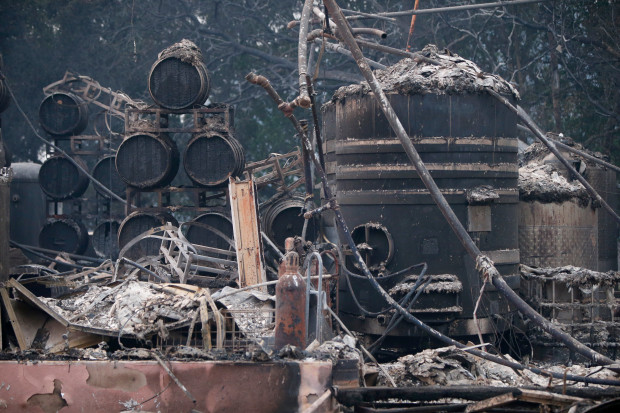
290, 304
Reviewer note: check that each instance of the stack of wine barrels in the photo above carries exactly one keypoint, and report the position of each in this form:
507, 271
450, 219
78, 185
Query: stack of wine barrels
179, 83
61, 179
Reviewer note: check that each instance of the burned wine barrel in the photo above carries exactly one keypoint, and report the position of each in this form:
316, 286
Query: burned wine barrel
63, 114
64, 234
105, 239
147, 160
468, 142
212, 229
105, 172
211, 158
284, 218
5, 96
109, 124
137, 223
179, 78
60, 179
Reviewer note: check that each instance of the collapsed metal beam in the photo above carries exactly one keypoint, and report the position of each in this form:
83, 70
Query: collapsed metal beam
483, 264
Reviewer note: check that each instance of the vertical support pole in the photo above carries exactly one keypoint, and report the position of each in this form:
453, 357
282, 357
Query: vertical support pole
5, 180
244, 214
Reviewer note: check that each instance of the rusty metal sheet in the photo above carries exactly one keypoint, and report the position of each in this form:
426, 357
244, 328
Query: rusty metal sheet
113, 386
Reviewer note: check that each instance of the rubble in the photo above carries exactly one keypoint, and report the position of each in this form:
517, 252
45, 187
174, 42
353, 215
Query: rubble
450, 366
454, 75
572, 276
133, 306
185, 50
543, 182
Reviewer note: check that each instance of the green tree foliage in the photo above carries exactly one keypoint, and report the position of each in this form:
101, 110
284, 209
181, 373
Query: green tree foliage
563, 56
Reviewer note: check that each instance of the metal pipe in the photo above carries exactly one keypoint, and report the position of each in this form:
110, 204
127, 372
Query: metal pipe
315, 121
271, 244
319, 295
204, 258
483, 263
209, 269
68, 254
303, 100
437, 10
339, 49
387, 49
140, 267
369, 30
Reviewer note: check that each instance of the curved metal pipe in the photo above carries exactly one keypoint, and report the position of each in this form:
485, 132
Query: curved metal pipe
303, 100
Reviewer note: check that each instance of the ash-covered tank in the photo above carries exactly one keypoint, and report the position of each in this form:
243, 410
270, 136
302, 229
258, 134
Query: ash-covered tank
467, 140
559, 224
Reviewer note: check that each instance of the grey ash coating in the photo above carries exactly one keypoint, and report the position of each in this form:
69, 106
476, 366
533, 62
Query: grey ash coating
455, 75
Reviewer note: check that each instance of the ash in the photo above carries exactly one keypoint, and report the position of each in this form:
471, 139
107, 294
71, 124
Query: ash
571, 276
454, 75
543, 182
185, 50
133, 306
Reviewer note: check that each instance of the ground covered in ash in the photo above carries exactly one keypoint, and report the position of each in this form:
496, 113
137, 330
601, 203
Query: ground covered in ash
451, 366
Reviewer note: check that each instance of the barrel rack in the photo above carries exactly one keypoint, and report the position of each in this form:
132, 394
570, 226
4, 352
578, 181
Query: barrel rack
158, 123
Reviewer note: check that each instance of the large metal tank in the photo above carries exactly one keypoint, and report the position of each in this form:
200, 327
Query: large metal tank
558, 222
468, 142
28, 204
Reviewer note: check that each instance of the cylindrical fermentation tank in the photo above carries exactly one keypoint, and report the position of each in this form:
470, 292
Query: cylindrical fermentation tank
28, 204
467, 140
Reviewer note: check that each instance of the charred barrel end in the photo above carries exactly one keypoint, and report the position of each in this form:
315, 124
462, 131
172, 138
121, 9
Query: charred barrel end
66, 235
62, 114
